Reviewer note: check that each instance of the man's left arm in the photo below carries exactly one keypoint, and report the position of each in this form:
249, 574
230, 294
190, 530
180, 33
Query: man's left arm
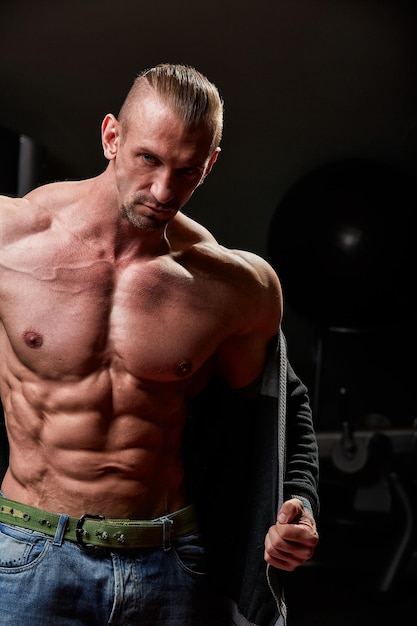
292, 539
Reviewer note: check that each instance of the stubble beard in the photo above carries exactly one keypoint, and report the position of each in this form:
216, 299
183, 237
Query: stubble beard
140, 221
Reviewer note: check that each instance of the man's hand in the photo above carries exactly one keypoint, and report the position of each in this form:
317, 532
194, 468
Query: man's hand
292, 540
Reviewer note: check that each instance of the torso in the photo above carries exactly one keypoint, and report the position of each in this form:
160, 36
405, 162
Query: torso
100, 355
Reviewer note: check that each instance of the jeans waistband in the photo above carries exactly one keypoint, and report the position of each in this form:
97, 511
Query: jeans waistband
96, 530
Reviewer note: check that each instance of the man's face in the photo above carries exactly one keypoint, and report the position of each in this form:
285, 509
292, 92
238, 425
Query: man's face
158, 163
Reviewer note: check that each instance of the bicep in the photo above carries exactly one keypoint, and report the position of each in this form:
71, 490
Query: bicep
240, 360
257, 313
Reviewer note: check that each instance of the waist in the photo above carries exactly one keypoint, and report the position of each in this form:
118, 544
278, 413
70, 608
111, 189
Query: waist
96, 530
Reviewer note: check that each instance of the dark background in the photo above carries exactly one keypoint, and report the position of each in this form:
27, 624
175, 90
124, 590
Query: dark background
317, 173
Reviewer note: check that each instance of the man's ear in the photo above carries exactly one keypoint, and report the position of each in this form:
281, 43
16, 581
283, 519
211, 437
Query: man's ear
209, 167
110, 136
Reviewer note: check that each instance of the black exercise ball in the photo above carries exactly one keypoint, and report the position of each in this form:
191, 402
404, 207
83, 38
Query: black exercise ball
342, 242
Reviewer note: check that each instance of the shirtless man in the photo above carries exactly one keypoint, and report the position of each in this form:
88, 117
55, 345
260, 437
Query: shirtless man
116, 309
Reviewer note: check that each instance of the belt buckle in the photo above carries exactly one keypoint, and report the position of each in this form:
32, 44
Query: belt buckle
79, 529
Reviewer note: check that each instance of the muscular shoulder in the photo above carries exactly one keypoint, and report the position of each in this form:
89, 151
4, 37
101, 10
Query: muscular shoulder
187, 235
258, 287
242, 277
249, 301
254, 267
22, 217
19, 218
184, 232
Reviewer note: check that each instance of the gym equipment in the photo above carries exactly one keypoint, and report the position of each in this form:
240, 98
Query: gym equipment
343, 242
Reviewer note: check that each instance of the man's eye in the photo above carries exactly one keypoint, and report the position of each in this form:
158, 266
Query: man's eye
149, 159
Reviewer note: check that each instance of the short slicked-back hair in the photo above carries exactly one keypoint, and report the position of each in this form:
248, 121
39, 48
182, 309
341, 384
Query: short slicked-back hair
186, 91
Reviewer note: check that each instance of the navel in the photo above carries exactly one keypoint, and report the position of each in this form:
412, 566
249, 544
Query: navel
33, 339
183, 368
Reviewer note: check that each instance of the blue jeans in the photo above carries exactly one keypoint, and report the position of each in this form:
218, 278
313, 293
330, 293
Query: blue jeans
45, 581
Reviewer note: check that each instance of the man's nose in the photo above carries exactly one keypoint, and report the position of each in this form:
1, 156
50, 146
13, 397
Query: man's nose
163, 188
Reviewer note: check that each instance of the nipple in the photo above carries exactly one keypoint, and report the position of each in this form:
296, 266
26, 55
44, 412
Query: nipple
33, 339
183, 368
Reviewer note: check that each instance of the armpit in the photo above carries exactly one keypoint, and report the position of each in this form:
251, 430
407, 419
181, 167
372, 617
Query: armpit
252, 390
